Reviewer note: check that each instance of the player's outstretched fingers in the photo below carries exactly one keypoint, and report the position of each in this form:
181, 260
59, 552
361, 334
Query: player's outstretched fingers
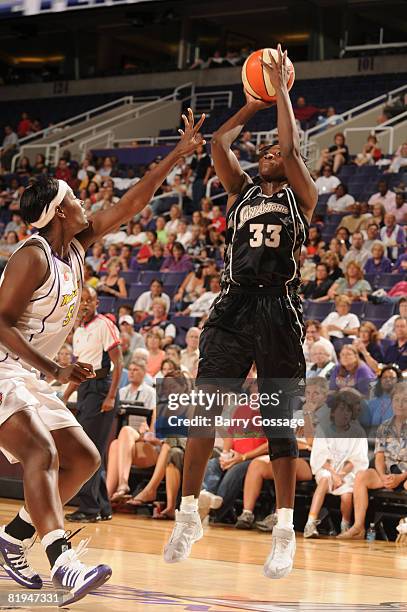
200, 122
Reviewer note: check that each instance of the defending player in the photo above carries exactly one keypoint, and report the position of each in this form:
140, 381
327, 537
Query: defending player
39, 298
257, 316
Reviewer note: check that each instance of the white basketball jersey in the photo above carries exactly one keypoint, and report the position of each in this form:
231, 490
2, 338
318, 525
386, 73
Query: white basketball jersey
52, 310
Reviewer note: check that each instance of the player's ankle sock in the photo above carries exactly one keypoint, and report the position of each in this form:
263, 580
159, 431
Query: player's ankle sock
312, 518
21, 526
285, 518
189, 503
55, 543
345, 525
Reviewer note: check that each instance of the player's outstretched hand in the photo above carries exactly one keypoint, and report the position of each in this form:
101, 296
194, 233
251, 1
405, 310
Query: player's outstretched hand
76, 373
260, 104
191, 137
278, 71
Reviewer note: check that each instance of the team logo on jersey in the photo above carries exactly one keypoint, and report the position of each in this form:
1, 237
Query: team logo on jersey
68, 297
250, 212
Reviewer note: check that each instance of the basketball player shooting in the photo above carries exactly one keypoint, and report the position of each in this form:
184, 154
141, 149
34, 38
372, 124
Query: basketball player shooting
257, 316
40, 294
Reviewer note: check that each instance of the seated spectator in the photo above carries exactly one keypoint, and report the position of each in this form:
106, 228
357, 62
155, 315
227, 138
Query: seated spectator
178, 261
14, 225
39, 165
89, 277
400, 210
155, 353
7, 248
400, 265
97, 258
112, 284
383, 196
172, 225
23, 167
190, 289
9, 147
340, 201
304, 112
392, 235
144, 304
64, 172
326, 182
159, 319
307, 267
396, 353
368, 345
331, 259
202, 305
373, 235
343, 235
162, 236
132, 446
125, 257
135, 236
341, 322
390, 471
126, 324
357, 253
356, 221
379, 408
321, 362
146, 250
317, 290
156, 260
378, 213
190, 354
127, 354
399, 159
218, 220
246, 146
184, 234
370, 154
352, 285
315, 410
387, 329
312, 335
147, 220
338, 454
24, 125
351, 371
313, 241
378, 263
336, 155
201, 165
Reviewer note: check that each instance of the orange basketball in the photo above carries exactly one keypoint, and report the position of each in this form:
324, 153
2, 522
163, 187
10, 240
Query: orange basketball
256, 80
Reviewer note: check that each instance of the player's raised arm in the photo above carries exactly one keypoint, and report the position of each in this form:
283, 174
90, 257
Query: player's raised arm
297, 173
136, 198
227, 167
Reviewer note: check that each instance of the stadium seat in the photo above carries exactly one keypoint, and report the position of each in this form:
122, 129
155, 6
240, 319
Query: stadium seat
130, 277
136, 289
387, 281
173, 278
147, 276
378, 311
358, 308
106, 304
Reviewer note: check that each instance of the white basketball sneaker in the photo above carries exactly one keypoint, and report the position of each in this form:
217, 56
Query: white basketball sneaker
187, 530
279, 563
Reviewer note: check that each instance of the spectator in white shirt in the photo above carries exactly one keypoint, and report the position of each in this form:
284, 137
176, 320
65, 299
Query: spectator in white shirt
383, 196
392, 235
312, 335
357, 252
171, 227
135, 236
341, 323
327, 182
184, 235
387, 329
400, 208
340, 201
132, 446
400, 159
143, 305
202, 305
190, 354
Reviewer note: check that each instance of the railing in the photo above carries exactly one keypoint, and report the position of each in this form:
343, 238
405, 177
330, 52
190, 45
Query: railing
206, 100
86, 116
169, 194
383, 127
370, 46
109, 139
357, 110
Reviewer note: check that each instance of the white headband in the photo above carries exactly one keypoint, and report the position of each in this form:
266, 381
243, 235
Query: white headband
49, 210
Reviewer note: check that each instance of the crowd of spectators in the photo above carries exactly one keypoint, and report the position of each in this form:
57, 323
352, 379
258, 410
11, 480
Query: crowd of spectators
157, 278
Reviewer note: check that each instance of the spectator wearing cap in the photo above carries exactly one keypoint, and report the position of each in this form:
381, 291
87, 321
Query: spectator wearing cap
159, 319
144, 304
392, 235
387, 329
126, 324
383, 196
378, 263
178, 261
396, 353
340, 201
96, 342
190, 354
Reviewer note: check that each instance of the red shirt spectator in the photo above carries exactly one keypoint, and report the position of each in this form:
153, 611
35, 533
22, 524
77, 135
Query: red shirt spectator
304, 112
63, 172
24, 125
218, 220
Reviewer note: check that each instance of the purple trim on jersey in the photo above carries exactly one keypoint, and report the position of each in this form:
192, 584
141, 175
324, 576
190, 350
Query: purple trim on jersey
75, 251
56, 301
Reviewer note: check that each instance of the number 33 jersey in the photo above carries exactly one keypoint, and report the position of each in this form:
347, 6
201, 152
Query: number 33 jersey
264, 238
52, 310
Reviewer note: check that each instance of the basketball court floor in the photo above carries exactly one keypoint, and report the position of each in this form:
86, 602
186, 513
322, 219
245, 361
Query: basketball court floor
224, 573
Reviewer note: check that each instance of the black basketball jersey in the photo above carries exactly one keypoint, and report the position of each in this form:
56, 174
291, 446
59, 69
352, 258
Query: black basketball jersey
264, 237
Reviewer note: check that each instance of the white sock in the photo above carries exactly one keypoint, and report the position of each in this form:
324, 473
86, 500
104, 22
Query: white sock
24, 516
246, 510
52, 537
285, 518
189, 503
344, 524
